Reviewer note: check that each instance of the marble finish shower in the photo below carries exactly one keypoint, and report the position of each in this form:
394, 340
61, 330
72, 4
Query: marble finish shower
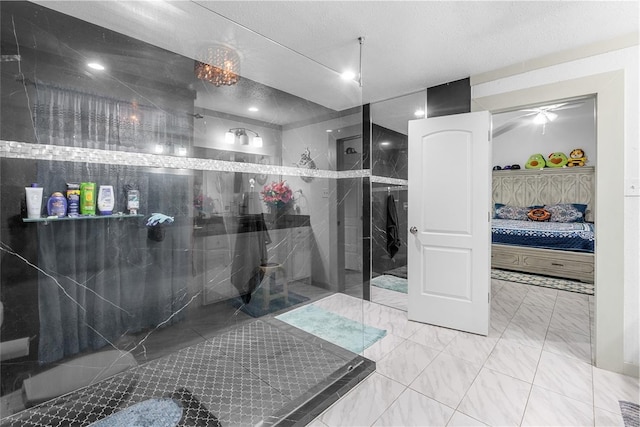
210, 237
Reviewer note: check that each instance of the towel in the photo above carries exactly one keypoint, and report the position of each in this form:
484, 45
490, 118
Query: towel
393, 237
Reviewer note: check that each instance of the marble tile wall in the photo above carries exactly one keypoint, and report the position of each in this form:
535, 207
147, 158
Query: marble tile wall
85, 285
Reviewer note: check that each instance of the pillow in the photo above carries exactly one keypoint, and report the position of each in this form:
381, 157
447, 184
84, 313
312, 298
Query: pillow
567, 212
539, 214
511, 212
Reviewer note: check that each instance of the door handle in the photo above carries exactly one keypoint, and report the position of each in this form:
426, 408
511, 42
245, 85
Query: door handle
413, 230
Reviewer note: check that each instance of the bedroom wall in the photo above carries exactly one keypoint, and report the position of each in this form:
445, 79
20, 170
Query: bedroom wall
620, 59
574, 128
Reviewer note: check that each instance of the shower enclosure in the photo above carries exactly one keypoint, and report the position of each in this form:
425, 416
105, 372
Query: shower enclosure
220, 146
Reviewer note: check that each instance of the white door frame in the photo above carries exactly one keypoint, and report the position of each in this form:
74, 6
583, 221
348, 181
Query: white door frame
609, 207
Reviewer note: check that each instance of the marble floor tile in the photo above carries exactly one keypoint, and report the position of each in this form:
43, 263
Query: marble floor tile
610, 387
524, 335
390, 319
546, 408
505, 302
316, 423
406, 361
389, 298
462, 420
496, 285
568, 344
415, 409
496, 399
519, 289
515, 360
567, 376
532, 316
382, 347
434, 336
446, 379
569, 321
572, 305
500, 320
474, 348
606, 418
573, 295
364, 404
540, 299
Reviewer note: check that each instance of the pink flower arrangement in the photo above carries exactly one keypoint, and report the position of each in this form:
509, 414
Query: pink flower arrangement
277, 194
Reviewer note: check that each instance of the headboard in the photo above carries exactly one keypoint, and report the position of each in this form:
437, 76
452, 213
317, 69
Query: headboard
527, 187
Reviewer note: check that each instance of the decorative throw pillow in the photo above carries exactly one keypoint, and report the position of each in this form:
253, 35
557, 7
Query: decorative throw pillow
511, 212
539, 214
567, 212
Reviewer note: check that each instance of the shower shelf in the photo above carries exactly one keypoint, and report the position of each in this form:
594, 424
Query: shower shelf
81, 218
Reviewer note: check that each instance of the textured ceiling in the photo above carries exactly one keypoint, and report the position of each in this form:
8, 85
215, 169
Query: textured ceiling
411, 45
298, 48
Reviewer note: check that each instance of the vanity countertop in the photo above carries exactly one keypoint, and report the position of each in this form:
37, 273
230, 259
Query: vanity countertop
233, 224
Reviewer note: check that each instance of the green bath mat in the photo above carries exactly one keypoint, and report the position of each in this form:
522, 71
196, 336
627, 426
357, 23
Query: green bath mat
346, 333
393, 283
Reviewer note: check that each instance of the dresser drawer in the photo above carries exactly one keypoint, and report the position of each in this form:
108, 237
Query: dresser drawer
553, 266
504, 259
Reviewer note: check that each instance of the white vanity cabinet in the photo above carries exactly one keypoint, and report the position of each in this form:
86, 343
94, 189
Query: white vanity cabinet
213, 258
291, 247
213, 255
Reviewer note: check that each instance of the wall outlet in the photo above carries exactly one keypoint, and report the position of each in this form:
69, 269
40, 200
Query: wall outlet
632, 187
325, 193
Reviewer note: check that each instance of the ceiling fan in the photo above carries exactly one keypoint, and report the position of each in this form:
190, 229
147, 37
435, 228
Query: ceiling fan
536, 115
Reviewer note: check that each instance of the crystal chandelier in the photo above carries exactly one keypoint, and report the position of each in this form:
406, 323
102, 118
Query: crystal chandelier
218, 66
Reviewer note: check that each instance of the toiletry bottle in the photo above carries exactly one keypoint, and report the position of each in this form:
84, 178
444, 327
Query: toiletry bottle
106, 200
133, 201
73, 199
57, 205
34, 201
88, 198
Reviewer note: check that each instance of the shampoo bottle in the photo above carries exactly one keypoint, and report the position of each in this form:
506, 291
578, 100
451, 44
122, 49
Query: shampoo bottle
34, 201
57, 205
106, 200
88, 198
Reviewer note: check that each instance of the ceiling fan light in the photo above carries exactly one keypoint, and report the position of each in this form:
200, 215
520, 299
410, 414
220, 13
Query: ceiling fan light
540, 119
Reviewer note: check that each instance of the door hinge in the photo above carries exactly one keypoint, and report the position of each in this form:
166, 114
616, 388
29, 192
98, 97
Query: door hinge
489, 297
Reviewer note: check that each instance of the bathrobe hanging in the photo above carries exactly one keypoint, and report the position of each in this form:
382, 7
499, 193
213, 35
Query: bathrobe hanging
250, 251
393, 236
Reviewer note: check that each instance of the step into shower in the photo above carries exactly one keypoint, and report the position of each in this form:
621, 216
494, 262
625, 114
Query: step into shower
265, 372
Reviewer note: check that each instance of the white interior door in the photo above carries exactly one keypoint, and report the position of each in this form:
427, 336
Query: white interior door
449, 218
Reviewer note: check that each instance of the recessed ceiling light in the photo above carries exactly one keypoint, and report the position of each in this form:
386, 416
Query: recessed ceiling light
348, 75
419, 113
95, 66
253, 109
385, 143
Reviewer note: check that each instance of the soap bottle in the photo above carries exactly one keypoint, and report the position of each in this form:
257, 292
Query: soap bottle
88, 198
34, 201
57, 205
106, 200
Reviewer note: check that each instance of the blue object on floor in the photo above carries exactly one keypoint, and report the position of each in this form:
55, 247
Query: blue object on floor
148, 413
255, 307
393, 283
346, 333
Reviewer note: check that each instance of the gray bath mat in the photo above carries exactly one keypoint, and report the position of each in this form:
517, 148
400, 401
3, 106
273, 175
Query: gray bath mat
630, 413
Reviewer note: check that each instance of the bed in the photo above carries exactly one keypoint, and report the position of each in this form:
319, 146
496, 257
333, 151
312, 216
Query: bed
559, 249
